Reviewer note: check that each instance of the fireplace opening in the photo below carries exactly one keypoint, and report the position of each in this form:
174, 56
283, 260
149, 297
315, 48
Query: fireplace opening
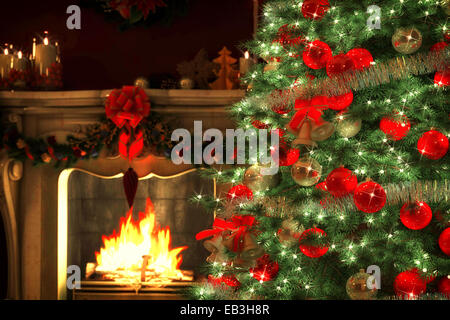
98, 209
3, 262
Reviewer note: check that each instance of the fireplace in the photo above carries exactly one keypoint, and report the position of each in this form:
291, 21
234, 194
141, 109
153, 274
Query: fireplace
97, 204
40, 205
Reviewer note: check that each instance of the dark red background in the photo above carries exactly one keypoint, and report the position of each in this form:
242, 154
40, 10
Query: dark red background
99, 56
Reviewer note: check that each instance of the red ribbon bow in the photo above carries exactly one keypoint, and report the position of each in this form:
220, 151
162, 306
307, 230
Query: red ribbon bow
238, 225
127, 107
243, 224
308, 109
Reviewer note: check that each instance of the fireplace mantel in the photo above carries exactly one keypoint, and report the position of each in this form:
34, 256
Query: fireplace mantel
38, 101
29, 205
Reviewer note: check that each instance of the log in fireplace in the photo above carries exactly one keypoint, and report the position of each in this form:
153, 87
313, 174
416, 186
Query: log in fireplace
42, 208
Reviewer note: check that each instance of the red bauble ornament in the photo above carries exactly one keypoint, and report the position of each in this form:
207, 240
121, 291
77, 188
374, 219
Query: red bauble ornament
340, 102
416, 215
240, 192
286, 157
322, 186
361, 58
282, 105
439, 46
229, 280
369, 197
341, 182
311, 250
444, 286
317, 54
259, 125
288, 38
395, 129
409, 284
265, 269
442, 78
281, 109
433, 145
339, 64
444, 241
315, 9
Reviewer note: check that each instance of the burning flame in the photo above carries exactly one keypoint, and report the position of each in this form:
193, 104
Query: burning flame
125, 251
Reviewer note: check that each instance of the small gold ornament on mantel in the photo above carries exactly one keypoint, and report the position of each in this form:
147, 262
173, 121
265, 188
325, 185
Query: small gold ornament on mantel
407, 40
141, 82
357, 287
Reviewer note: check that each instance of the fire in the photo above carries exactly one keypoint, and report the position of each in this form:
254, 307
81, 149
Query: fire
124, 252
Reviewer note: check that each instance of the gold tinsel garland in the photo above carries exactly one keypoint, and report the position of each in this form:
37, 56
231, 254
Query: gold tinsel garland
398, 68
396, 194
399, 194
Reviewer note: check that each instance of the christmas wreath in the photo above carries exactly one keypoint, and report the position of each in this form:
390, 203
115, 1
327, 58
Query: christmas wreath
141, 12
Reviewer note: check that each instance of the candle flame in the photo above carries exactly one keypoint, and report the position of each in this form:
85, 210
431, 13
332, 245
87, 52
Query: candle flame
6, 52
20, 54
246, 55
46, 41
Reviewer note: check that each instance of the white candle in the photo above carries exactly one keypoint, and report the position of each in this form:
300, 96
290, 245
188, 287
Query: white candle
20, 62
245, 64
5, 63
45, 55
34, 48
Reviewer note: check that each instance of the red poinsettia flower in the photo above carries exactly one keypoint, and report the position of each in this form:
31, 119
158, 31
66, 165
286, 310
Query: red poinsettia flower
144, 6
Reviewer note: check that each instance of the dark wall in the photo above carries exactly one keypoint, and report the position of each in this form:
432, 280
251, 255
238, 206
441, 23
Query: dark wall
3, 262
99, 56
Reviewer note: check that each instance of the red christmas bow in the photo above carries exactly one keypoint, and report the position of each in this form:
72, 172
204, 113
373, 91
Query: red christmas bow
219, 226
238, 225
311, 109
127, 106
243, 224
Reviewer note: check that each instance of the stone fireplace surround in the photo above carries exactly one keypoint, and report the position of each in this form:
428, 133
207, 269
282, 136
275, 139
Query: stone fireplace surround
29, 195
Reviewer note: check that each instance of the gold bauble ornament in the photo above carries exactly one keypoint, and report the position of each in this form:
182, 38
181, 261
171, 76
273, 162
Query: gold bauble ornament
141, 82
446, 6
46, 158
306, 172
407, 40
357, 287
186, 84
256, 181
348, 128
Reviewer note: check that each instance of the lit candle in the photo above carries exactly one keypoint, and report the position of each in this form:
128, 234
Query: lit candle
45, 55
34, 48
245, 64
20, 63
5, 63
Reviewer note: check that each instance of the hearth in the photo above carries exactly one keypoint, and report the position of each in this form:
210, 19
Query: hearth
149, 250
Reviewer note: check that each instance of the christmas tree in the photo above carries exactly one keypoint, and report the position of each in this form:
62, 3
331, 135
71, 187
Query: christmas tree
359, 208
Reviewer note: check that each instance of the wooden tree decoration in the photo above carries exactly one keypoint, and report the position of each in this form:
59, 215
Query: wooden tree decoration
227, 75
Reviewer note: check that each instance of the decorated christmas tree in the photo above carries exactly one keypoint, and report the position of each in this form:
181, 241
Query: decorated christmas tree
359, 208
